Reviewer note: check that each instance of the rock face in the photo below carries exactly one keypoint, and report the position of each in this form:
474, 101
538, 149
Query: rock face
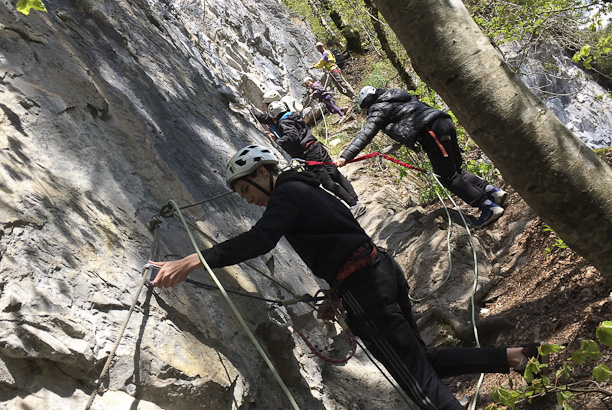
580, 103
108, 113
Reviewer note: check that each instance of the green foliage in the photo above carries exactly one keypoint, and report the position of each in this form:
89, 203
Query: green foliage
302, 8
558, 242
540, 384
479, 168
577, 25
380, 74
24, 6
596, 54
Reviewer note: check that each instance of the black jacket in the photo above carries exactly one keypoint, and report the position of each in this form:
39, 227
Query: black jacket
399, 115
295, 134
318, 226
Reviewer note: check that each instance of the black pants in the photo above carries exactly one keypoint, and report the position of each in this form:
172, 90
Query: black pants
380, 313
328, 175
460, 182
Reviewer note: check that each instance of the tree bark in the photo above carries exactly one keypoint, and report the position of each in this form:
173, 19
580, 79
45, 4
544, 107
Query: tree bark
352, 37
384, 42
560, 178
316, 11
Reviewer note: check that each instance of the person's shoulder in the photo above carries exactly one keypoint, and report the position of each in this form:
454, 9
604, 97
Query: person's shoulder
292, 178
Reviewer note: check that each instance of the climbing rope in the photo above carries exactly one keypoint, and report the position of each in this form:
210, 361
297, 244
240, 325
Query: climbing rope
234, 309
277, 302
111, 355
367, 156
284, 320
472, 405
471, 241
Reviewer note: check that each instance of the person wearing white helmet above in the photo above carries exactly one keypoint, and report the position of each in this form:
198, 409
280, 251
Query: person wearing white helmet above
269, 97
320, 94
297, 140
333, 72
336, 249
408, 121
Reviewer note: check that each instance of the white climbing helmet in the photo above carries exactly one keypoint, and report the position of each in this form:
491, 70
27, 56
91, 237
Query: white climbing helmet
277, 108
365, 93
308, 79
270, 96
320, 44
246, 161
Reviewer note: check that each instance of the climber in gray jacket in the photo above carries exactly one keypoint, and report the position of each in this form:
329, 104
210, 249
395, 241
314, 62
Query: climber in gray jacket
409, 121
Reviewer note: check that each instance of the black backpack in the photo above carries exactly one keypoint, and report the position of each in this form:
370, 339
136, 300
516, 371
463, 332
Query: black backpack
340, 59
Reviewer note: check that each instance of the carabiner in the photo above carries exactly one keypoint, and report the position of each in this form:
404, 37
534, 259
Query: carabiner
151, 266
284, 319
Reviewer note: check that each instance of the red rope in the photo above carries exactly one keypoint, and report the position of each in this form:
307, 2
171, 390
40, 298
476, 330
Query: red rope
372, 155
333, 300
349, 336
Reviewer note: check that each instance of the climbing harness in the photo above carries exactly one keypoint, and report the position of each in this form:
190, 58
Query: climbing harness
438, 143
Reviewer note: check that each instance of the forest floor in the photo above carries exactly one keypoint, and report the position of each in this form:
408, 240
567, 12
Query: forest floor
547, 291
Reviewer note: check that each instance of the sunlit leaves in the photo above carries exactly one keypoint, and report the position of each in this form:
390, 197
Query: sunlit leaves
563, 385
604, 333
24, 6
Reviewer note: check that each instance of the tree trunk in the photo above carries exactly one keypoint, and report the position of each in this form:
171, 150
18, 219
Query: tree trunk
352, 37
317, 13
560, 178
384, 42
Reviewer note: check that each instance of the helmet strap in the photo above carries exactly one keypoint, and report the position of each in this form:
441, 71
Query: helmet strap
256, 185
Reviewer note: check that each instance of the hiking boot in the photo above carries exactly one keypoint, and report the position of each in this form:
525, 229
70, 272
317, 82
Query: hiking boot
530, 351
358, 209
497, 196
490, 213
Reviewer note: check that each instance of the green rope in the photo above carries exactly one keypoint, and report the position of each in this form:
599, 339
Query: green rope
472, 405
234, 309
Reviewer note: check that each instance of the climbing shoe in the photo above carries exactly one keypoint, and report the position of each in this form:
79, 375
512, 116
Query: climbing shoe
490, 213
530, 351
358, 209
497, 196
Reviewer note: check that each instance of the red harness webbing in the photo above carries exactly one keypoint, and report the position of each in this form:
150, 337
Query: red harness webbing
433, 135
372, 155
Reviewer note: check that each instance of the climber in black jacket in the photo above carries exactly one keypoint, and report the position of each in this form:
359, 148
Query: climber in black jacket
297, 139
408, 121
372, 286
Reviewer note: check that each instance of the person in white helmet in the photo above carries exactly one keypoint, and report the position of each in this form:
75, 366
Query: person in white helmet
333, 73
297, 140
408, 121
371, 284
263, 117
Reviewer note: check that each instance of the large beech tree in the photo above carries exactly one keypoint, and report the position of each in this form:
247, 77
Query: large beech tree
560, 178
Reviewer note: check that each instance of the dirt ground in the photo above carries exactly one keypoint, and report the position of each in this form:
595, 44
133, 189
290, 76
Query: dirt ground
547, 292
552, 297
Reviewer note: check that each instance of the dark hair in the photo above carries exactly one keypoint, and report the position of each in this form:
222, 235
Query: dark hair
272, 169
